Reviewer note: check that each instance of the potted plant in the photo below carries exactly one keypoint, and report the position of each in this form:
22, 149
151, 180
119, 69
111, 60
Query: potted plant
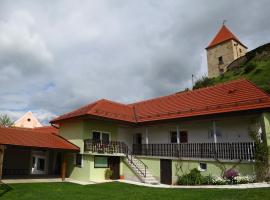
108, 174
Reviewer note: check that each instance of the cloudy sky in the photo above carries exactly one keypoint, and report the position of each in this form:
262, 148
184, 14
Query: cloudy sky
58, 55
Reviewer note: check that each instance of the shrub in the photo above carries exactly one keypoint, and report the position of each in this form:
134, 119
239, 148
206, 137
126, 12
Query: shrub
194, 177
108, 174
230, 175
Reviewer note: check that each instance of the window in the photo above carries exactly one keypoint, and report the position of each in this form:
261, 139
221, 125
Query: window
78, 160
220, 60
183, 137
240, 50
29, 119
98, 136
41, 164
101, 162
202, 167
173, 135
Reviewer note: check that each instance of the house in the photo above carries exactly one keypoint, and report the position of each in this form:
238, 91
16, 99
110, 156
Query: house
26, 152
224, 48
28, 120
154, 140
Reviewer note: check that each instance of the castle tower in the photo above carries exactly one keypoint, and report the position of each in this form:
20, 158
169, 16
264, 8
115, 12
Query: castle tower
222, 50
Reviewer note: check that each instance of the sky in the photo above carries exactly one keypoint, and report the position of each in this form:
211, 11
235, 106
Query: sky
56, 56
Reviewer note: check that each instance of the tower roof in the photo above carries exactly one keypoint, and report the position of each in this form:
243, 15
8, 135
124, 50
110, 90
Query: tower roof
223, 35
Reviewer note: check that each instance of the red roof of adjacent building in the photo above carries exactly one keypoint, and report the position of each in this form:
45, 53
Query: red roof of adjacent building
33, 138
46, 129
223, 35
233, 96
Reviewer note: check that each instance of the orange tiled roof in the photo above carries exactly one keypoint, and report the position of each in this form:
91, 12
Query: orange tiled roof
46, 129
233, 96
33, 138
223, 35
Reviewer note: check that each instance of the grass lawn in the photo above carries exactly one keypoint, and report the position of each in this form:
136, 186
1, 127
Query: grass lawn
111, 191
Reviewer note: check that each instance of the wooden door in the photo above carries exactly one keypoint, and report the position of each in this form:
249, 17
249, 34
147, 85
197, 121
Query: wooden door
166, 171
114, 164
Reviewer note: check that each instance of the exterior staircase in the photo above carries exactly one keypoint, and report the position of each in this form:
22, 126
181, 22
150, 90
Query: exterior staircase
140, 169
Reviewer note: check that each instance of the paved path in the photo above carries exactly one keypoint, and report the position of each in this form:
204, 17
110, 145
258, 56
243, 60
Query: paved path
51, 180
239, 186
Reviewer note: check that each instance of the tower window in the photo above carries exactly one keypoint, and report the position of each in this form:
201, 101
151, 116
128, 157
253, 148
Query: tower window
240, 50
220, 60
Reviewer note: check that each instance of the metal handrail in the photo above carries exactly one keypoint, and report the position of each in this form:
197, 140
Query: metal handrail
129, 153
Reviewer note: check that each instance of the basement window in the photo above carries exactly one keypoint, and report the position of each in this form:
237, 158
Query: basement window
101, 162
202, 167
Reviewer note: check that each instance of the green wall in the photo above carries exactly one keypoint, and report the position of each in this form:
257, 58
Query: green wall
212, 167
78, 173
73, 131
95, 125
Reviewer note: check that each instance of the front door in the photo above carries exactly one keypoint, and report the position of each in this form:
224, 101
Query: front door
38, 164
166, 171
137, 143
114, 164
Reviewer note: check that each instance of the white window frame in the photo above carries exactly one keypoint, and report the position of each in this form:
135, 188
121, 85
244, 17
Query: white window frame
101, 132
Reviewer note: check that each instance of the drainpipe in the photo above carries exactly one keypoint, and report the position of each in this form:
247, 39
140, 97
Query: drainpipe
146, 135
215, 136
178, 134
214, 131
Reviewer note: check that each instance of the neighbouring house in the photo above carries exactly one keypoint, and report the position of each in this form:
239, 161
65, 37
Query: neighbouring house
155, 140
36, 152
28, 120
222, 51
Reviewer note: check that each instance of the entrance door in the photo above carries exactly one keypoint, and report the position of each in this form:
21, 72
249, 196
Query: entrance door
38, 164
137, 143
114, 164
166, 171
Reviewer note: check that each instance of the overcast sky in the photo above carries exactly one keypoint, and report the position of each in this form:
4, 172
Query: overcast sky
58, 55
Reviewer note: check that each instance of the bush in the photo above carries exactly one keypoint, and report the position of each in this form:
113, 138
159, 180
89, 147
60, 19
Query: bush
194, 177
108, 174
230, 175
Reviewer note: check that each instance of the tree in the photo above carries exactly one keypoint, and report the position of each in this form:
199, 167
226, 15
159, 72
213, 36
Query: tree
5, 121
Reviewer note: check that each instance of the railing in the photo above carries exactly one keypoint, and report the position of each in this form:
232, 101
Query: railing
226, 151
114, 147
105, 147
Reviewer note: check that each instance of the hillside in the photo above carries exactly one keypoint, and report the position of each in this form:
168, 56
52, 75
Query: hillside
254, 66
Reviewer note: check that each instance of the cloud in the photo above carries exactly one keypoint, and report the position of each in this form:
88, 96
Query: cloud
58, 55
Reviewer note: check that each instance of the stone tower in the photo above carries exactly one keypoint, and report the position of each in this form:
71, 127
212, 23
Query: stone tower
222, 50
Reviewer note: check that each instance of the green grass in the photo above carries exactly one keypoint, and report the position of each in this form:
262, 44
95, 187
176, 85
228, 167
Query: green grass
111, 191
257, 71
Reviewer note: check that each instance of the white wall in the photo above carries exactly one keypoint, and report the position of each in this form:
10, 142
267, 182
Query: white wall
234, 129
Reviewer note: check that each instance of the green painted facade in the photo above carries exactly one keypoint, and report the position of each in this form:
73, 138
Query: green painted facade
213, 167
78, 130
78, 173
